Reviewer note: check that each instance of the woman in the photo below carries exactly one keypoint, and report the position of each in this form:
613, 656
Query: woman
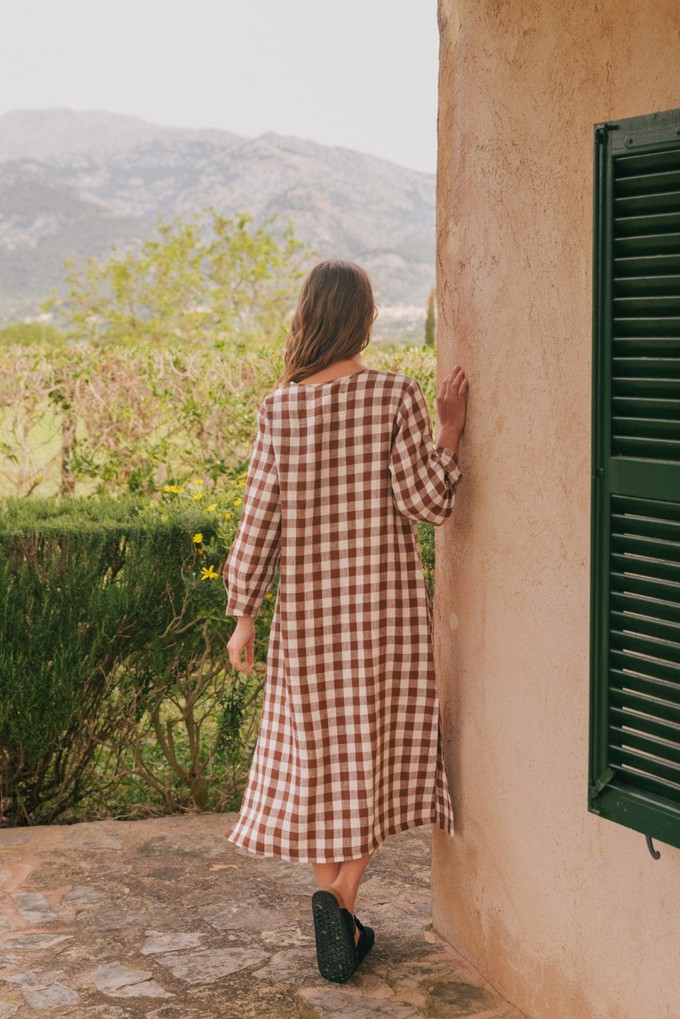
343, 468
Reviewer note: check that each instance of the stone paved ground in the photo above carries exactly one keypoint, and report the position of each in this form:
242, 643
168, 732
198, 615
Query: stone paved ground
165, 919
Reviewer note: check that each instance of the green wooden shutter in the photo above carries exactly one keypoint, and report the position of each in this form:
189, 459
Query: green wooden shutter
635, 580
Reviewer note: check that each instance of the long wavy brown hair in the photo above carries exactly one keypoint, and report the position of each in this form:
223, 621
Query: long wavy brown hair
332, 320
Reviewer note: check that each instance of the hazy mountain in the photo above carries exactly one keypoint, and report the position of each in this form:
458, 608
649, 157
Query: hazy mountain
74, 184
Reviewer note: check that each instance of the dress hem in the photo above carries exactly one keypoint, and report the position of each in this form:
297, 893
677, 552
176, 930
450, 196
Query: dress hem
305, 858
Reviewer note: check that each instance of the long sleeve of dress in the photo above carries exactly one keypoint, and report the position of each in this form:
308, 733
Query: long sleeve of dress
423, 476
256, 550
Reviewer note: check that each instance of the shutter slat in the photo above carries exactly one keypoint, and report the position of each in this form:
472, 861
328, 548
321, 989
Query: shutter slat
647, 765
653, 587
661, 629
656, 449
643, 244
635, 286
655, 608
625, 660
636, 325
646, 545
643, 685
641, 723
660, 777
660, 407
646, 346
638, 509
663, 222
655, 387
648, 183
653, 527
642, 567
662, 650
651, 163
637, 367
644, 428
648, 204
666, 750
636, 700
660, 306
647, 265
659, 787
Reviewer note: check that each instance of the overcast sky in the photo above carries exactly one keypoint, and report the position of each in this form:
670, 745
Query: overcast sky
357, 73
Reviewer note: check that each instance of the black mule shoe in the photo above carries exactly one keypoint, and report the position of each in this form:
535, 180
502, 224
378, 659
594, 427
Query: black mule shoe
365, 942
336, 952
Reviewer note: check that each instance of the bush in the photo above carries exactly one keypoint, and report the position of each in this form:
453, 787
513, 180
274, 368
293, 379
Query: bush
108, 633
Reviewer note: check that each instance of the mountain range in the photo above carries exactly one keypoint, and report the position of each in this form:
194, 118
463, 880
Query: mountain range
75, 184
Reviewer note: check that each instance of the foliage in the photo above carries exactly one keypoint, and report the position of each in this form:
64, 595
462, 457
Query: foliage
112, 657
430, 321
25, 333
80, 418
207, 277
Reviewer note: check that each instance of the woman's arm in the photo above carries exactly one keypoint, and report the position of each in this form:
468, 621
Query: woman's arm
424, 476
255, 551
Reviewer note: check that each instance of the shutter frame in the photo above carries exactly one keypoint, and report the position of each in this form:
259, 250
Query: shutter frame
634, 745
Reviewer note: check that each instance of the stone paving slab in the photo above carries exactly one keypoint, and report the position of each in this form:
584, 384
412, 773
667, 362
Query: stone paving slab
164, 919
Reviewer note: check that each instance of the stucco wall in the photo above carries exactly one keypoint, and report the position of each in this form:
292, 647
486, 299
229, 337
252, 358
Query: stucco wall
566, 914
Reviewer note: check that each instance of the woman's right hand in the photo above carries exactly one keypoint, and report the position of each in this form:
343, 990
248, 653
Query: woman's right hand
452, 402
243, 639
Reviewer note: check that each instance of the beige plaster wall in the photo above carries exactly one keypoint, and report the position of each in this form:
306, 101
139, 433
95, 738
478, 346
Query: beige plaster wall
566, 914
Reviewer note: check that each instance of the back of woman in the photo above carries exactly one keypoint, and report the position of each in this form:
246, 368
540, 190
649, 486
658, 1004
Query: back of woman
349, 750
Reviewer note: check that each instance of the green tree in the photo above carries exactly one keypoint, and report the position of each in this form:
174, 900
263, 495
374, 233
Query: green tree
430, 321
208, 277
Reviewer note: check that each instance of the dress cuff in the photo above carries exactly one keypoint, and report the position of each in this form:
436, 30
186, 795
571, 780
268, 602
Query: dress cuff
449, 461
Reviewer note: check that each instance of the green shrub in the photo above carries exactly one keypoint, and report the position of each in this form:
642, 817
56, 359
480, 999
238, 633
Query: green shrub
107, 634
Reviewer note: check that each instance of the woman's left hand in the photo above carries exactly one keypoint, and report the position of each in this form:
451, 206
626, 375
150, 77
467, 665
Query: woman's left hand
242, 638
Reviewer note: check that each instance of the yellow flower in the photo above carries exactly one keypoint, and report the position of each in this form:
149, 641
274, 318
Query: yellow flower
237, 502
209, 573
227, 516
198, 495
212, 506
197, 538
199, 481
241, 484
269, 595
175, 489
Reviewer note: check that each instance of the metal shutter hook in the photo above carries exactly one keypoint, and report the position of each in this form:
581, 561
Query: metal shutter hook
650, 846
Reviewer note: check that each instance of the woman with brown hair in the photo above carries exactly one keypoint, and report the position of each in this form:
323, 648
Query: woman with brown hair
343, 468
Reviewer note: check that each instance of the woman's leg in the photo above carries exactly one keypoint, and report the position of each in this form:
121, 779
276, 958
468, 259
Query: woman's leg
345, 877
325, 873
349, 878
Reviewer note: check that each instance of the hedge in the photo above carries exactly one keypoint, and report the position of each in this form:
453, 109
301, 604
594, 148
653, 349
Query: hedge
103, 617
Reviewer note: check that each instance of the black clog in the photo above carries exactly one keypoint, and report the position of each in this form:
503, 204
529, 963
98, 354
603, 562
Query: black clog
336, 951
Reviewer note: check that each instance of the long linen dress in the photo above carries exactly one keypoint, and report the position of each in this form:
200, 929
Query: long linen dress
349, 747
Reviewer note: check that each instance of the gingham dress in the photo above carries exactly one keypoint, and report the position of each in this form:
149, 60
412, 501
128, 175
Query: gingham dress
349, 747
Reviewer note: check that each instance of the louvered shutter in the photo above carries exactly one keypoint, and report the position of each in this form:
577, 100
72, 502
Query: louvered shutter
635, 582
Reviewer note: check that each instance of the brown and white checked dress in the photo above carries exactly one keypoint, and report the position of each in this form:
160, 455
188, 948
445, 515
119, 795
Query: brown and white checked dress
349, 748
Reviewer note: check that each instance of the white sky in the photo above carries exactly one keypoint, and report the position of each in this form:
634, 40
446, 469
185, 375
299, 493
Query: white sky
357, 73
